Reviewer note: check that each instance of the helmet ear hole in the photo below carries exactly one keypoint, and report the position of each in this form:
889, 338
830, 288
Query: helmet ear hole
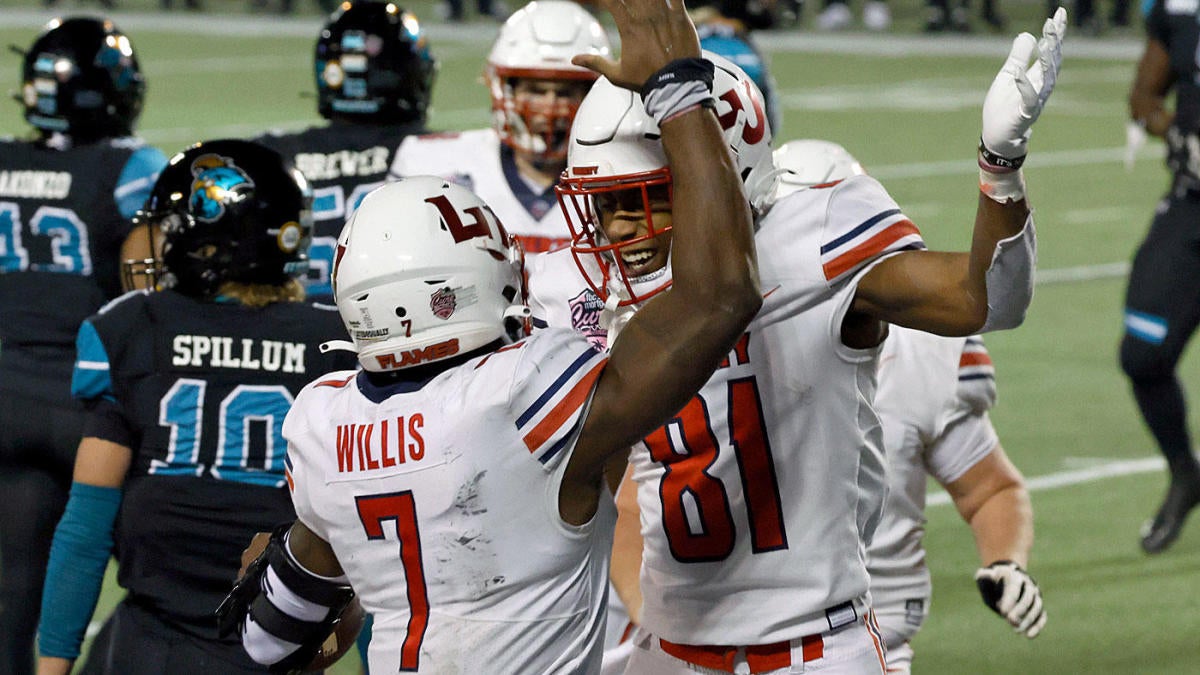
401, 312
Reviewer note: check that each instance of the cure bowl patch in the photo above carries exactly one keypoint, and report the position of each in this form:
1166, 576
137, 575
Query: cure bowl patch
443, 302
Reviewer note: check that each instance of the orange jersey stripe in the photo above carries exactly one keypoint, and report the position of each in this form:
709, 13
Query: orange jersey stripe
869, 248
974, 359
337, 384
565, 408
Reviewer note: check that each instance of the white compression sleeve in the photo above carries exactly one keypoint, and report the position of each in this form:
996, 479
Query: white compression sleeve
1010, 279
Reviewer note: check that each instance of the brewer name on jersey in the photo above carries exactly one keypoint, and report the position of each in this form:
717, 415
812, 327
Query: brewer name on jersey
319, 166
35, 184
214, 351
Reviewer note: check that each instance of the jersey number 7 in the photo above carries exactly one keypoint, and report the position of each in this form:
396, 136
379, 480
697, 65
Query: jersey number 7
400, 508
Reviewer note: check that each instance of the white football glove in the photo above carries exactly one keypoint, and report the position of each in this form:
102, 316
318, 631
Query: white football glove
1019, 92
1135, 139
1014, 595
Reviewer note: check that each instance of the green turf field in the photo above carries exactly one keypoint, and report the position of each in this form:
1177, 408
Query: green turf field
908, 106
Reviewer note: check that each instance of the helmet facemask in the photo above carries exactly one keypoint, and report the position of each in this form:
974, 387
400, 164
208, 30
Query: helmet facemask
616, 145
533, 115
534, 49
633, 265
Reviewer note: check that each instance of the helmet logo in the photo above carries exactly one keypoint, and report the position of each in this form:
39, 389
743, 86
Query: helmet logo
289, 236
217, 183
755, 129
443, 302
333, 75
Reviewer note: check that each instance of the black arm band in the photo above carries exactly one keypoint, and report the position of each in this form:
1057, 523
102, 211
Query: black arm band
250, 597
679, 86
991, 159
681, 70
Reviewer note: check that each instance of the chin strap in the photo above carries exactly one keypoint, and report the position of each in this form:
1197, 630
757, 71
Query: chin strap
614, 316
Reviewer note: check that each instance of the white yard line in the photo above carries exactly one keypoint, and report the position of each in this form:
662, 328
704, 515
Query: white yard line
1076, 476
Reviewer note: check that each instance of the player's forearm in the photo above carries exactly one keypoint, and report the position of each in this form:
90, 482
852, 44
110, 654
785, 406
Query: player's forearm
53, 665
713, 256
1003, 257
79, 554
1003, 527
1148, 94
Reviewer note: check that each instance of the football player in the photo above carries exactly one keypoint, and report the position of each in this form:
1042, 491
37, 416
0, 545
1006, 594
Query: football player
933, 398
457, 482
1162, 302
535, 89
182, 458
758, 497
374, 78
66, 196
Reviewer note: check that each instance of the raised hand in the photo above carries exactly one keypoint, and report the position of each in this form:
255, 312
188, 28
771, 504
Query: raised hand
1019, 92
653, 34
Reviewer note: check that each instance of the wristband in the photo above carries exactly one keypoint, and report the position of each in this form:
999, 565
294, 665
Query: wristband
1002, 183
997, 162
678, 87
1002, 187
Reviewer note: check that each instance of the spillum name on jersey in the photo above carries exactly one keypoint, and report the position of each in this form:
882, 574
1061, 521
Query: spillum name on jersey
397, 442
214, 351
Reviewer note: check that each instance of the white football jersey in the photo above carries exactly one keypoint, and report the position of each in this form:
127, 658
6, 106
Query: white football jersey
473, 159
933, 397
756, 499
440, 500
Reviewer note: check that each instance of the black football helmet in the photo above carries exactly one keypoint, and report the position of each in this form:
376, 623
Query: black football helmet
229, 210
373, 65
81, 77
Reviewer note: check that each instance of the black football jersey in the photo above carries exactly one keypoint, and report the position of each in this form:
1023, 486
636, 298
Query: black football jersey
342, 162
63, 216
203, 389
1176, 25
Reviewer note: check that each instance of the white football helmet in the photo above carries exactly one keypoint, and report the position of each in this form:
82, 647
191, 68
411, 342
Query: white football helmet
424, 271
615, 146
537, 42
808, 162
